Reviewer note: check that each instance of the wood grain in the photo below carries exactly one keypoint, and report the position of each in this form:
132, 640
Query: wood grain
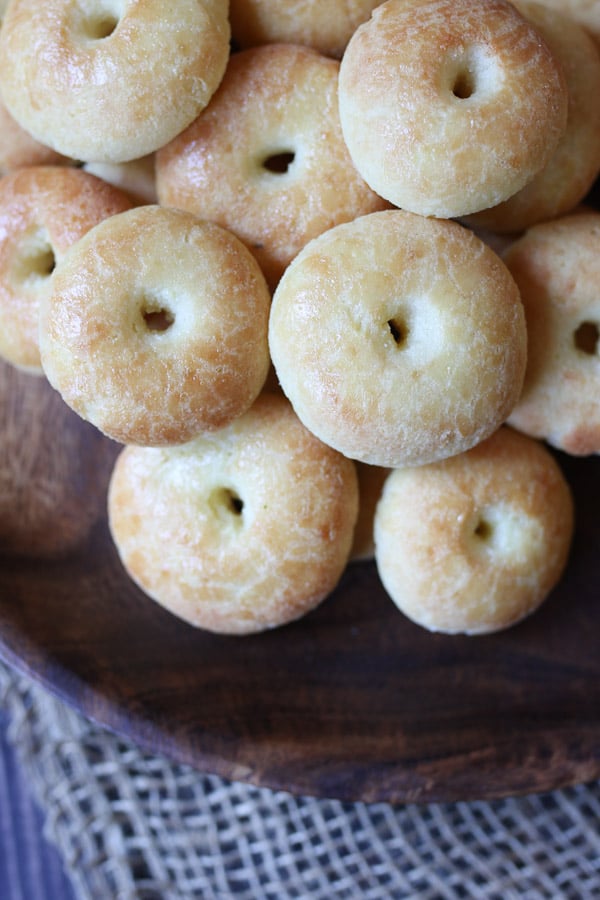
352, 702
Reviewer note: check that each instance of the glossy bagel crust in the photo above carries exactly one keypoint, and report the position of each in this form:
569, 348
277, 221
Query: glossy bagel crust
276, 103
238, 531
108, 80
475, 543
450, 106
399, 339
156, 327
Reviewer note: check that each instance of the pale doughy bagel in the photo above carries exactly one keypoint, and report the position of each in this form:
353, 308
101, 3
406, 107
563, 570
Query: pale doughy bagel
399, 339
450, 106
111, 80
43, 211
475, 543
575, 163
326, 27
266, 159
557, 268
239, 531
156, 327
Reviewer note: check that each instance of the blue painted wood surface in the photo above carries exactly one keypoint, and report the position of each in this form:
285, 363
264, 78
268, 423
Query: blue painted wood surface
30, 867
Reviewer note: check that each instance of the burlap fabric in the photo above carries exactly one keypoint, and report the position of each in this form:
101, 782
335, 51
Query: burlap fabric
132, 825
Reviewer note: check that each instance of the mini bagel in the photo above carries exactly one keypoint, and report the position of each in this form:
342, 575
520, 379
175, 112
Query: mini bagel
238, 531
475, 543
571, 171
450, 106
557, 268
266, 159
399, 339
43, 211
156, 327
110, 80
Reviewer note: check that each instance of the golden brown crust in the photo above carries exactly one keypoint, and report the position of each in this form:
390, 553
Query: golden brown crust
399, 339
240, 531
273, 100
475, 543
156, 327
575, 163
450, 107
557, 268
326, 27
100, 95
43, 211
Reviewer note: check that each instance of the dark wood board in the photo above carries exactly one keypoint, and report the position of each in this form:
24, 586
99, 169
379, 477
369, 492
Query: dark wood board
353, 701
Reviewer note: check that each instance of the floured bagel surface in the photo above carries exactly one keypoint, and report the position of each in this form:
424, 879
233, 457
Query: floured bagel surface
475, 543
450, 106
238, 531
399, 339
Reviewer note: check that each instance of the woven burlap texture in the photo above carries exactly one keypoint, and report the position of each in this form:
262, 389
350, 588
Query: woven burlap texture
133, 825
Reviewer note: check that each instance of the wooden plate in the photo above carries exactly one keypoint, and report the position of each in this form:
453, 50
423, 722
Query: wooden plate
352, 702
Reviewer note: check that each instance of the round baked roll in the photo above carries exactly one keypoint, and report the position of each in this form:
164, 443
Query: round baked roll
398, 339
326, 27
571, 171
239, 531
156, 327
475, 543
43, 211
266, 159
102, 80
557, 268
450, 106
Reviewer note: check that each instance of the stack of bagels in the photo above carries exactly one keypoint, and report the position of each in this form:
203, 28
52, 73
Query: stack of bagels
326, 274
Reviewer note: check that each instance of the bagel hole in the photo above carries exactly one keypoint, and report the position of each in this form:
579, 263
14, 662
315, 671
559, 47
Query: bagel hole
471, 71
43, 263
399, 331
103, 27
279, 163
505, 531
36, 260
227, 504
158, 320
483, 529
586, 338
464, 84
